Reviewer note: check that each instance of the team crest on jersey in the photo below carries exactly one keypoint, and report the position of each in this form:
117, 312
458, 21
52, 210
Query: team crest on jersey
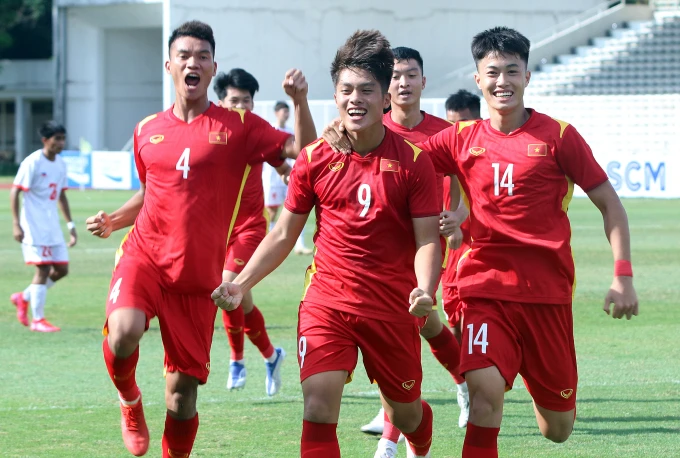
408, 385
537, 149
217, 138
566, 394
336, 166
239, 262
477, 150
156, 139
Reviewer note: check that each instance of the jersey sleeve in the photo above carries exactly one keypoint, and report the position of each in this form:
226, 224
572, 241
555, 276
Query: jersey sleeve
442, 148
300, 198
422, 182
141, 168
576, 159
24, 176
265, 143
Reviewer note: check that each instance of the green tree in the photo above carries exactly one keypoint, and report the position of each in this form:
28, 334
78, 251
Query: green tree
24, 19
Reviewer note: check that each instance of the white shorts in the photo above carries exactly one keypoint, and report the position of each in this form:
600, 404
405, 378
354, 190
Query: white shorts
45, 255
274, 196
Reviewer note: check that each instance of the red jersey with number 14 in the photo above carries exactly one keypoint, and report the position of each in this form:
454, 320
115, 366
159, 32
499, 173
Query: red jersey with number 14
519, 187
194, 175
365, 242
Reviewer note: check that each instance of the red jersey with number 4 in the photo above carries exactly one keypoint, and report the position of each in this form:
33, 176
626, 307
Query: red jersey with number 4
365, 242
519, 187
194, 176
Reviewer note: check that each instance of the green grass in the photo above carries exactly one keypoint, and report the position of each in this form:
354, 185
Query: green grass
57, 401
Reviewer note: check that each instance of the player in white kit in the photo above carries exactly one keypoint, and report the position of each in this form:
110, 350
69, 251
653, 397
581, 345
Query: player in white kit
274, 188
43, 180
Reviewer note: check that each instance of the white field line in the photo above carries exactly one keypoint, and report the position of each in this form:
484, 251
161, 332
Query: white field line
110, 404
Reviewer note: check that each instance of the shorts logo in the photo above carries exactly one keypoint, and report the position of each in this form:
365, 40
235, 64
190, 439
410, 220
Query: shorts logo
408, 385
156, 139
207, 366
566, 394
477, 150
217, 138
239, 262
336, 166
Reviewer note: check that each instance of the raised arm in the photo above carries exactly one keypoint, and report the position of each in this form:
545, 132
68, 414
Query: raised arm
102, 224
295, 85
622, 292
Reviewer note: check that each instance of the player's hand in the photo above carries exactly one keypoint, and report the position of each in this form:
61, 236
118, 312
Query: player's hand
334, 135
18, 232
421, 303
295, 85
74, 238
228, 296
455, 240
622, 295
448, 222
100, 225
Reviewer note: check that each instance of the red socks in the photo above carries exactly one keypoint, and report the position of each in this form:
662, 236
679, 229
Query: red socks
122, 372
234, 322
254, 326
446, 349
319, 440
389, 431
421, 438
178, 437
480, 442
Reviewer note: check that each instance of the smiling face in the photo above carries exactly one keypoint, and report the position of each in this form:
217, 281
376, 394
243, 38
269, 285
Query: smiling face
502, 79
407, 82
191, 66
359, 99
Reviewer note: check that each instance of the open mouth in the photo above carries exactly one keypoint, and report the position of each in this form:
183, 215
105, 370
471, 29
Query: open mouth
192, 79
357, 113
504, 95
405, 93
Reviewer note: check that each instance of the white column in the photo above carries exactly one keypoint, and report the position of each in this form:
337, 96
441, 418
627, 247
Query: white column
19, 129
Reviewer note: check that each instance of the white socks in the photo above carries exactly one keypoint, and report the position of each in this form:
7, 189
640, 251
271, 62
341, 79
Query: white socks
38, 294
27, 291
462, 388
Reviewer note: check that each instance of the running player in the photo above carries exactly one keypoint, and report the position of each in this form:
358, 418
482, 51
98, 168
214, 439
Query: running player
380, 196
193, 161
43, 180
236, 89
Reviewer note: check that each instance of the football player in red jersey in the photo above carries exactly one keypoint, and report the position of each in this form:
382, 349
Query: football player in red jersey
236, 89
193, 161
359, 286
516, 282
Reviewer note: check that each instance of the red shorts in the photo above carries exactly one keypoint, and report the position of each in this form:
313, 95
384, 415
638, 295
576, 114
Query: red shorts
329, 340
534, 340
451, 303
243, 243
187, 321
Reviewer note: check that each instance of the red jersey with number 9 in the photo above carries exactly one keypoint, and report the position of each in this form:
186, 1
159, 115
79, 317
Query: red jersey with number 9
519, 187
194, 175
365, 242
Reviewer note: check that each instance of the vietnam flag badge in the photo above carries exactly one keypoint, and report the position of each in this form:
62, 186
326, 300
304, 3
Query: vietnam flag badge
537, 149
389, 165
217, 138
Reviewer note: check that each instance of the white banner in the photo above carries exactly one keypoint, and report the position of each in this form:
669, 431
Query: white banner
111, 170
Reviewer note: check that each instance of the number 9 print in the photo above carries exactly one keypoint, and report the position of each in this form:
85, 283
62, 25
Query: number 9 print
302, 350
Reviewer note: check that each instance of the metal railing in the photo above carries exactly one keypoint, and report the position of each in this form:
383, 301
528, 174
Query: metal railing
665, 5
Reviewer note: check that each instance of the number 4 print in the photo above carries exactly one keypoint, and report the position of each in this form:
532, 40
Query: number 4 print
115, 291
183, 163
479, 339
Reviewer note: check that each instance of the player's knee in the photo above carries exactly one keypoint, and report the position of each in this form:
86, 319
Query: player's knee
406, 421
181, 401
558, 433
431, 329
318, 410
60, 271
483, 407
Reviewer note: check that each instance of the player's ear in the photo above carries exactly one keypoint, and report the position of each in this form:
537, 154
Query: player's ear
424, 81
478, 80
387, 99
214, 68
167, 67
528, 77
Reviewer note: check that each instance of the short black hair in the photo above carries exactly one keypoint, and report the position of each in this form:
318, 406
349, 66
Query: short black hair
280, 106
404, 53
51, 128
500, 40
366, 50
462, 100
194, 29
236, 78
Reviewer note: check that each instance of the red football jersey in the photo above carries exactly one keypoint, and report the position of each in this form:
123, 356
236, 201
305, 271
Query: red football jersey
429, 126
519, 187
195, 175
449, 275
365, 243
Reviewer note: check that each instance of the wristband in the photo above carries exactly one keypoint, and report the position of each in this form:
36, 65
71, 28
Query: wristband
71, 225
623, 268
